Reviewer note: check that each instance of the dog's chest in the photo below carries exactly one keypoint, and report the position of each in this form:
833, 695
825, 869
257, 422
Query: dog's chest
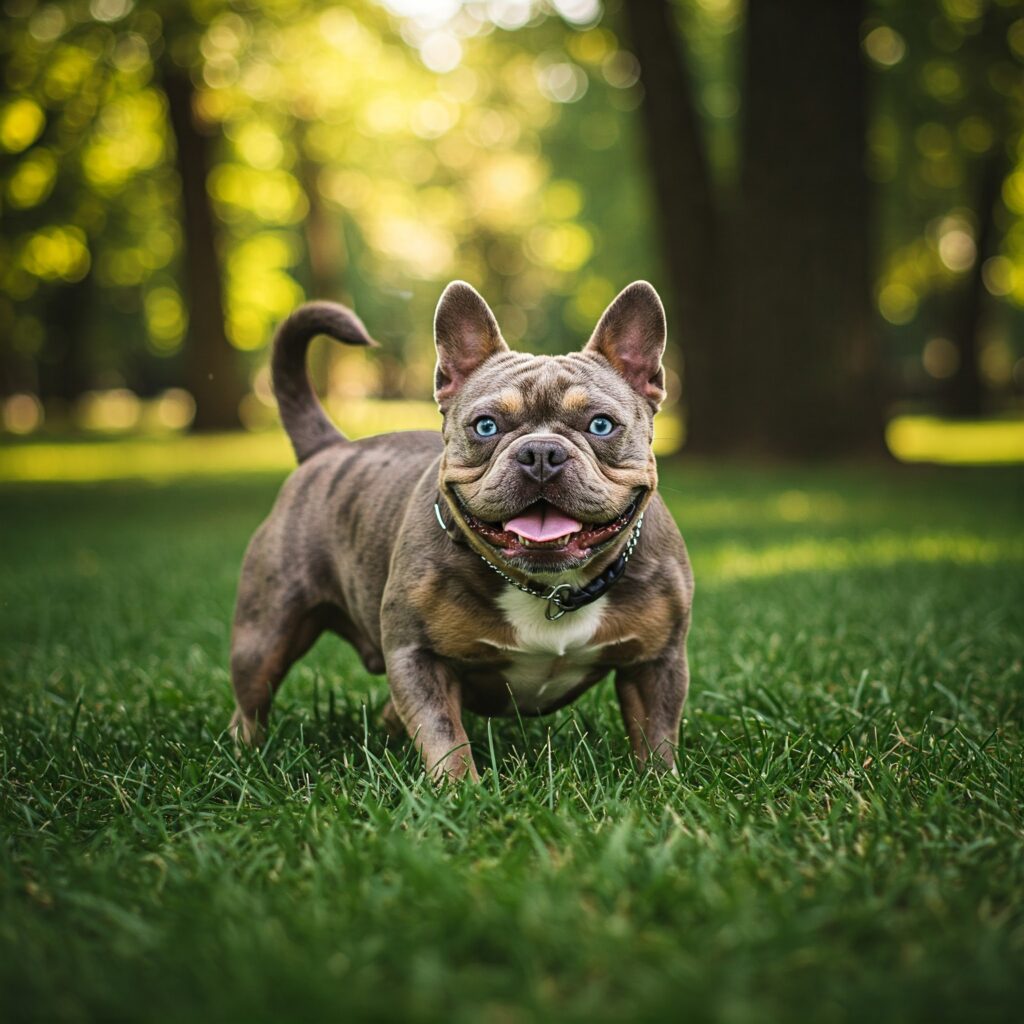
549, 658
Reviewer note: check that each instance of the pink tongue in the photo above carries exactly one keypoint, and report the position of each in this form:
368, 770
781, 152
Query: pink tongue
541, 523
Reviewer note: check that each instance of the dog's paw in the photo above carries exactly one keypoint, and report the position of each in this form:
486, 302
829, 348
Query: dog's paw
246, 731
391, 722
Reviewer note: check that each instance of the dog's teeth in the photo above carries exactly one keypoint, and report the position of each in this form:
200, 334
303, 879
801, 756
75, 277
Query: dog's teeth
555, 542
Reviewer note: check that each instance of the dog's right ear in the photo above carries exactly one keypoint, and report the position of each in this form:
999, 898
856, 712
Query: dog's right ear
466, 334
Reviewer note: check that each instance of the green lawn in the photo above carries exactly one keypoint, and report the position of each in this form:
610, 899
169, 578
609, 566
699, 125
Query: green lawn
845, 843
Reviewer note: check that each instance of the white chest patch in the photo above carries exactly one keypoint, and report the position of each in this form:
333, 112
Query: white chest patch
549, 658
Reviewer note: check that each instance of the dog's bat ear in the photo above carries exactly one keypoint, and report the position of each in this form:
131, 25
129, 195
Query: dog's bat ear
466, 334
631, 336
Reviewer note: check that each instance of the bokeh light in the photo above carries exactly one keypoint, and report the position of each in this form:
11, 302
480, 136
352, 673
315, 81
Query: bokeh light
370, 151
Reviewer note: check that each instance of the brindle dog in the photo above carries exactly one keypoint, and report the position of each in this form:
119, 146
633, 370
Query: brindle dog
414, 546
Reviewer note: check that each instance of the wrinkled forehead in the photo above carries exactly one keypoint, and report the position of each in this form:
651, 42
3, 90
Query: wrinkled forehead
541, 387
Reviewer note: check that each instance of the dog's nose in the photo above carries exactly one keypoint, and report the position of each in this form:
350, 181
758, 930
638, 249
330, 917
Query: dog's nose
542, 457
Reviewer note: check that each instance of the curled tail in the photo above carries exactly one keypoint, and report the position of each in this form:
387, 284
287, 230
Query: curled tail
301, 412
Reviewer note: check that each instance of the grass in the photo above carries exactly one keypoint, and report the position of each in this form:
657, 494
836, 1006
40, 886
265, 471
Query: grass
844, 843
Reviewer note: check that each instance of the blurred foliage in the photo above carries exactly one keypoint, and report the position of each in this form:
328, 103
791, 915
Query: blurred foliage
396, 163
949, 100
370, 152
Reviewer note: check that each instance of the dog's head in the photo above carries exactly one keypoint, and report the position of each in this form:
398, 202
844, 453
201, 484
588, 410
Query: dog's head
548, 459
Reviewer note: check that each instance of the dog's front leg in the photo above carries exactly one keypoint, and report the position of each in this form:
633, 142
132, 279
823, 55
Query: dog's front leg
651, 696
428, 699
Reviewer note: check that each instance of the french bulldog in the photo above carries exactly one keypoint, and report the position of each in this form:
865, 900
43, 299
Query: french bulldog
505, 565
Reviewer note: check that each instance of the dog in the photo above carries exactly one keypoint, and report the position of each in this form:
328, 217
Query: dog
505, 565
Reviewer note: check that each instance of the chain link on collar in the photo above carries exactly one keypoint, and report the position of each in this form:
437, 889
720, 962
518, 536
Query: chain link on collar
563, 597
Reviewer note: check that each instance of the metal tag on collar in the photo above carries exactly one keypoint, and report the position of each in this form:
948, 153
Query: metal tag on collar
555, 609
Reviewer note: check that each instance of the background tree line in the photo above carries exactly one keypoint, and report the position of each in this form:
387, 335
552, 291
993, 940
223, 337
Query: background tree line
830, 196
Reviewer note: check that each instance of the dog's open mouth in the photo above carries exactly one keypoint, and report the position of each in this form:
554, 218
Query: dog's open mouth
544, 530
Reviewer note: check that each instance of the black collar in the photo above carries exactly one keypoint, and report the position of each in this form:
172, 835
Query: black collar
563, 597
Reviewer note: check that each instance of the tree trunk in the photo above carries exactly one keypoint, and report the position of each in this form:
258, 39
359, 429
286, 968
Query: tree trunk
325, 242
807, 378
212, 372
689, 226
326, 256
63, 369
775, 302
966, 393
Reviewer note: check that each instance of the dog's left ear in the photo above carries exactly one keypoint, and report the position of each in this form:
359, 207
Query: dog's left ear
466, 334
631, 336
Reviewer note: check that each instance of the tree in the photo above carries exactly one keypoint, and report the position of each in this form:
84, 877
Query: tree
965, 395
692, 226
780, 356
991, 63
211, 367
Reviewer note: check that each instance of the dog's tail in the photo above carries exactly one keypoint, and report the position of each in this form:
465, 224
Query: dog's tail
301, 412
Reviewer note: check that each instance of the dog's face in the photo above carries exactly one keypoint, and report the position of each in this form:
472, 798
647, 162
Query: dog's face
548, 459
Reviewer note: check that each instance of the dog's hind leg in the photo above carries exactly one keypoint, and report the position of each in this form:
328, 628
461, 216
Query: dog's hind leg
277, 619
263, 649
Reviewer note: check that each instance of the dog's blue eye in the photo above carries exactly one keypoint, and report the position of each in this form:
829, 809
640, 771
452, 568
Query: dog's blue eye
601, 426
485, 426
